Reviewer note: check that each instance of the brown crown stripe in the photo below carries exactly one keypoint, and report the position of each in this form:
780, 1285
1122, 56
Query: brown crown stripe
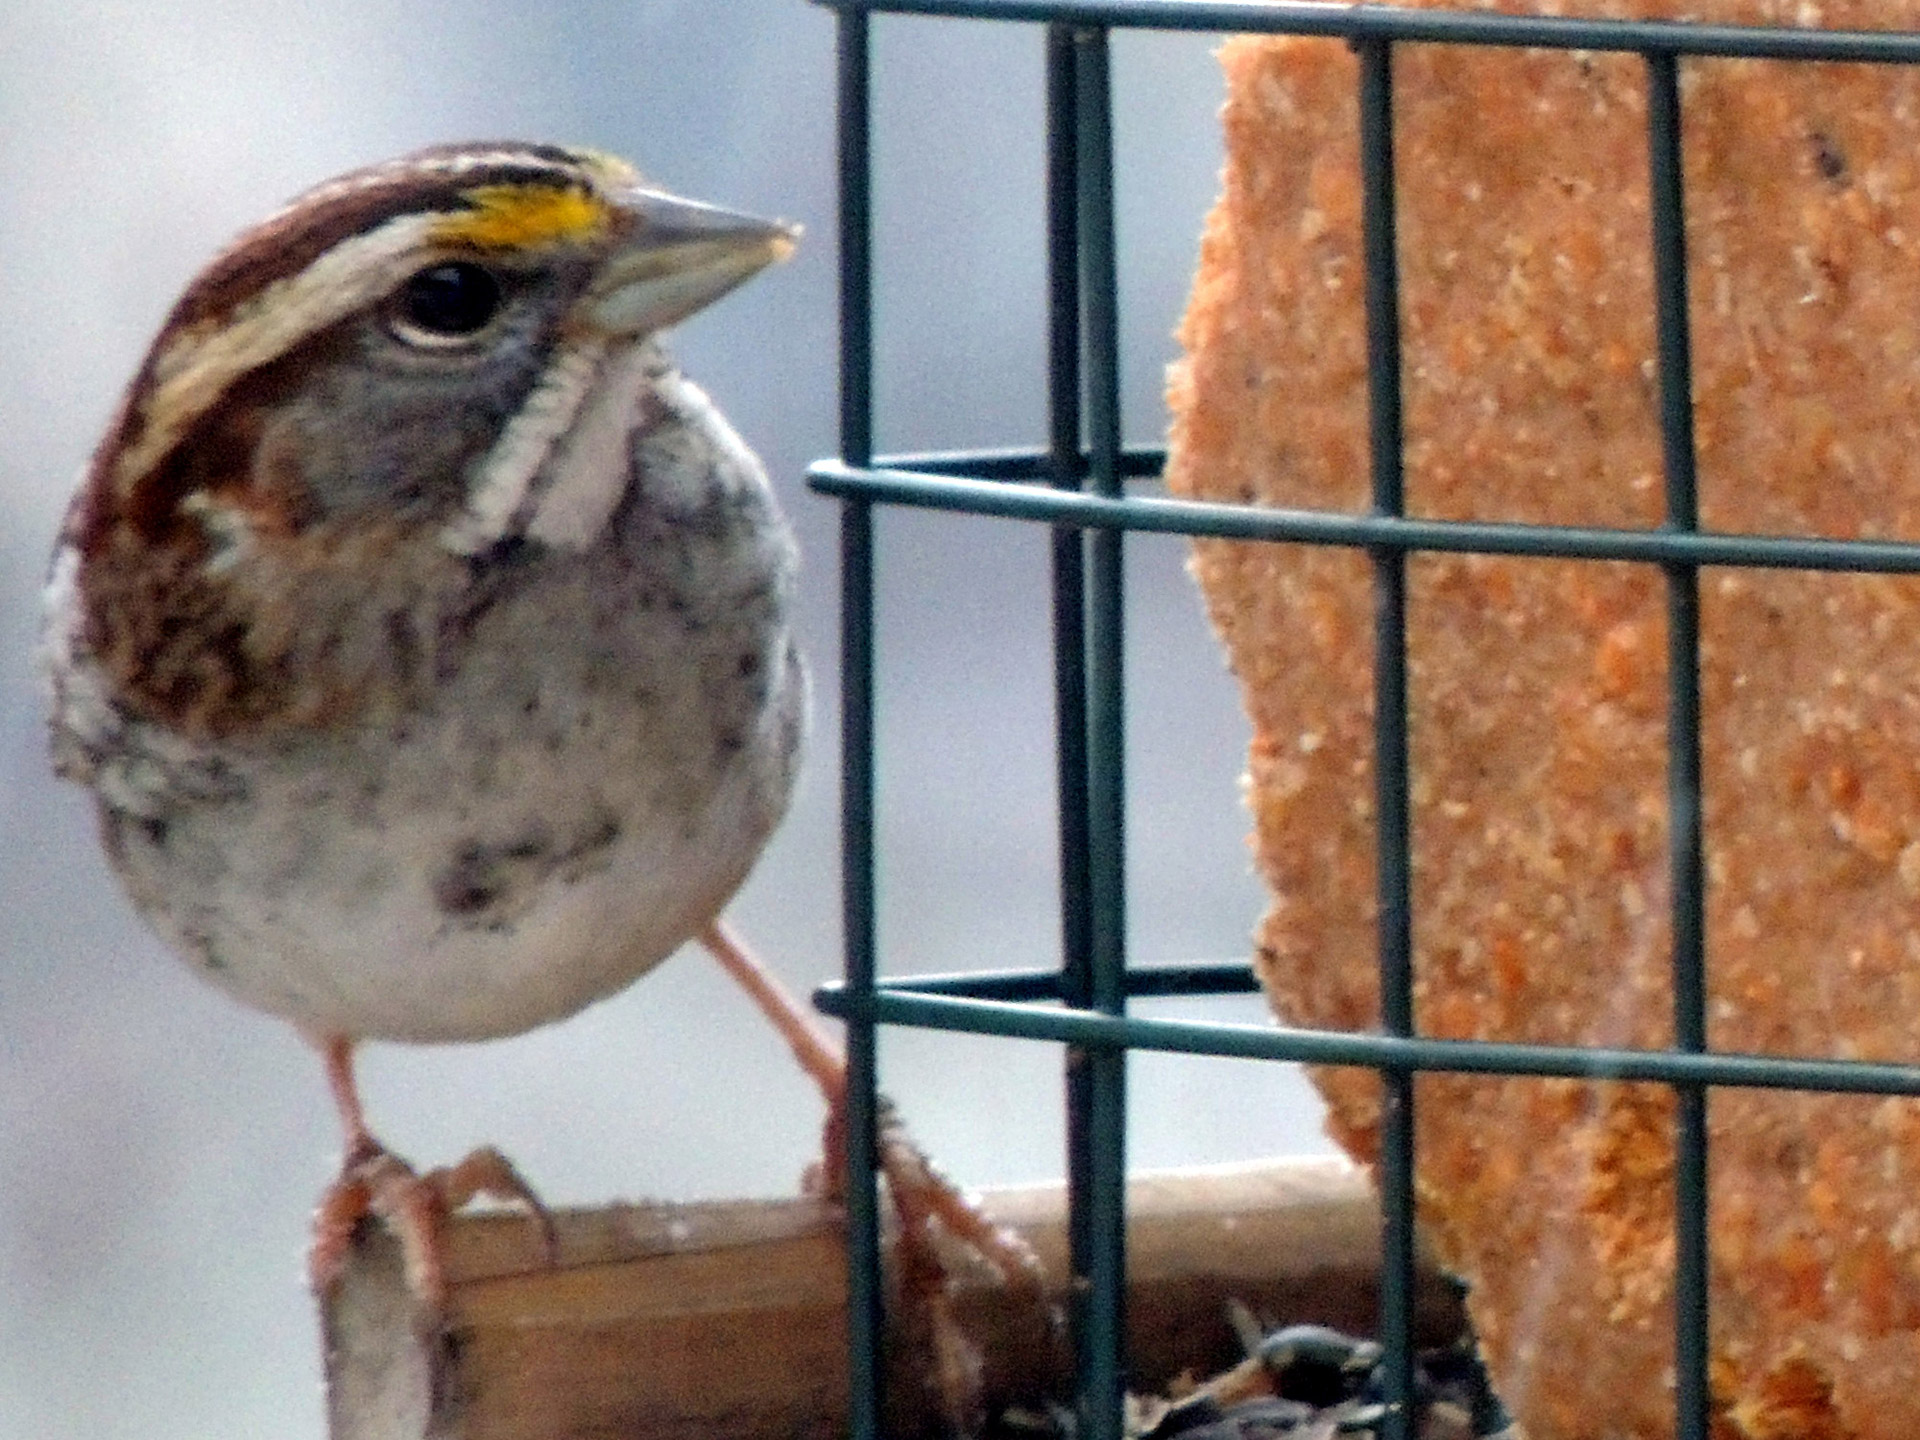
315, 221
307, 227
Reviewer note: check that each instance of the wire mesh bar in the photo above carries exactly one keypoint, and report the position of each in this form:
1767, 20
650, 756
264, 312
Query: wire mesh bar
1666, 202
1435, 27
1065, 469
865, 1300
1099, 1097
1393, 839
900, 1005
1093, 1327
1068, 567
996, 498
1143, 982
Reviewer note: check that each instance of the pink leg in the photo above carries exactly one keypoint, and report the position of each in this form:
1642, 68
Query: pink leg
337, 1053
924, 1201
375, 1182
815, 1053
920, 1192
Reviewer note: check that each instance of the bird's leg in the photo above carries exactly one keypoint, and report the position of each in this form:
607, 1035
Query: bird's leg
373, 1181
925, 1202
919, 1192
337, 1053
816, 1054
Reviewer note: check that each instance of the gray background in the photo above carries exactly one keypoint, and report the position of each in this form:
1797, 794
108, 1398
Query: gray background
159, 1149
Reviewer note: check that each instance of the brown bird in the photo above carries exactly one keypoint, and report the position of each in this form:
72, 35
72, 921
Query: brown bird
423, 635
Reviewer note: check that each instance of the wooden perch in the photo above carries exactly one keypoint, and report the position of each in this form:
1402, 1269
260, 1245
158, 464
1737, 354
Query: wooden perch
728, 1319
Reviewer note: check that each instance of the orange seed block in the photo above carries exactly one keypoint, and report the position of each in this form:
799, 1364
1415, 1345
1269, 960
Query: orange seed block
1538, 688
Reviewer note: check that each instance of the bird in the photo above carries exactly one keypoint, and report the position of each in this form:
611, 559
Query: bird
422, 634
425, 641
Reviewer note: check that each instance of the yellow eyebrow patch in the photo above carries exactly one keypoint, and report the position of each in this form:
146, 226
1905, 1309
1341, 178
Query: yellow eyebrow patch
524, 217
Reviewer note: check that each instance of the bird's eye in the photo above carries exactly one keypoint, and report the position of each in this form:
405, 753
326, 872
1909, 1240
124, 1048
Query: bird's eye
446, 302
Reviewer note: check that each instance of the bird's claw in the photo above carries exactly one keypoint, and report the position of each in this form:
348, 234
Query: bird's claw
374, 1183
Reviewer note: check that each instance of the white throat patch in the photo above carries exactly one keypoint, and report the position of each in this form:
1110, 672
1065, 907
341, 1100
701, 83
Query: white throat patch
581, 485
499, 487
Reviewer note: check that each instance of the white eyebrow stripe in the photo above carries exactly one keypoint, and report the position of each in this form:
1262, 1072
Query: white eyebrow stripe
196, 367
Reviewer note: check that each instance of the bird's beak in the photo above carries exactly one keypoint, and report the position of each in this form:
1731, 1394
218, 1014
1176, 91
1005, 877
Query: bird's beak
679, 257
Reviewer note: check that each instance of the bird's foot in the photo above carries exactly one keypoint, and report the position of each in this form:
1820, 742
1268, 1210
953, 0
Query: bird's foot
941, 1235
941, 1229
920, 1192
925, 1199
374, 1183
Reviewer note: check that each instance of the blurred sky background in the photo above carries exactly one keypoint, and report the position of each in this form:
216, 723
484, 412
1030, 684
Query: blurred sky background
160, 1148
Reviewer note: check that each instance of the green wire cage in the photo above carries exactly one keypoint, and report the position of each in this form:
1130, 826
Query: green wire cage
1083, 485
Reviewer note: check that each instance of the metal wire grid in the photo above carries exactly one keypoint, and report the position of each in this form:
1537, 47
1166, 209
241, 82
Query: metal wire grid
1077, 486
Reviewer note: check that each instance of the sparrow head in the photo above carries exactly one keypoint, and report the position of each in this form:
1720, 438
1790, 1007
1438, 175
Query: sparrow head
368, 343
388, 362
